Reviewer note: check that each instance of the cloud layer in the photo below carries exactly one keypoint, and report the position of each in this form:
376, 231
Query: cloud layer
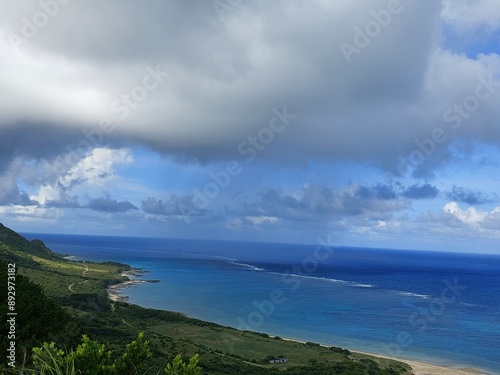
185, 83
372, 119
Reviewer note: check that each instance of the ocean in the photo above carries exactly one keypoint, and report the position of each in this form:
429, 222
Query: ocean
436, 307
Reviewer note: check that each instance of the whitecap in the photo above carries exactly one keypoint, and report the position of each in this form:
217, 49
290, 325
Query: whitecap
329, 280
410, 294
248, 266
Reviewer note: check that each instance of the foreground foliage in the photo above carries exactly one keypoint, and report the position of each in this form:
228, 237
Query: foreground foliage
93, 358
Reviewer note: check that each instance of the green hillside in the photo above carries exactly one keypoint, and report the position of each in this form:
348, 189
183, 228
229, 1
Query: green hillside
70, 299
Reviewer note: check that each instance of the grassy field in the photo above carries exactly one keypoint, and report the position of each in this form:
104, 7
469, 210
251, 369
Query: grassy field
56, 274
172, 332
61, 277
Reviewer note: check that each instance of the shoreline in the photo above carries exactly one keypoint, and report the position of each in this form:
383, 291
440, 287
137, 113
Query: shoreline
418, 367
425, 368
115, 290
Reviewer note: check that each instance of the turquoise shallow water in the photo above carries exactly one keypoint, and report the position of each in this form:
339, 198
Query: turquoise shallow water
437, 307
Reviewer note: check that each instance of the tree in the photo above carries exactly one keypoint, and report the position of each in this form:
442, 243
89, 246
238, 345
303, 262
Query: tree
135, 356
179, 367
90, 357
38, 317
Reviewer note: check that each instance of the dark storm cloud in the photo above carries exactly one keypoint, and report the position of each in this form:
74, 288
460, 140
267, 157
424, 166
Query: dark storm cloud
102, 204
424, 191
319, 202
107, 204
379, 191
35, 141
379, 201
469, 196
174, 206
15, 197
10, 194
65, 201
225, 78
126, 31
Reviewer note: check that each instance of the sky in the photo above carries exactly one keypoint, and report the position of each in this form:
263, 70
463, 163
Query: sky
372, 123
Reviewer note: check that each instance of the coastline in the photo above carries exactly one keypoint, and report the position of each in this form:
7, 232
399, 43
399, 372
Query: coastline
115, 290
421, 368
418, 367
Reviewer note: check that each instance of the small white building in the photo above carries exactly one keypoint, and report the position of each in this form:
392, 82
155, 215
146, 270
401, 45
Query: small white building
278, 360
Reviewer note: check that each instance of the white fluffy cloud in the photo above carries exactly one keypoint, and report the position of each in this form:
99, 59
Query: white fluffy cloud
470, 222
472, 15
96, 166
33, 214
93, 169
469, 216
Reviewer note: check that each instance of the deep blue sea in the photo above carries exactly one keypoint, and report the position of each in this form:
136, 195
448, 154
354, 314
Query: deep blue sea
441, 308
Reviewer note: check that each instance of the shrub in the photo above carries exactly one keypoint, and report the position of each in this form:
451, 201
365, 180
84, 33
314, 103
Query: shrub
92, 358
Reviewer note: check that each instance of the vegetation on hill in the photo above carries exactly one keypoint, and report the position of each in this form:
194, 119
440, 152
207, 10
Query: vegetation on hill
74, 301
38, 317
10, 239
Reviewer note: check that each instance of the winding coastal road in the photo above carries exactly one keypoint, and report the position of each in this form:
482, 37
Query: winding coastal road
70, 287
84, 274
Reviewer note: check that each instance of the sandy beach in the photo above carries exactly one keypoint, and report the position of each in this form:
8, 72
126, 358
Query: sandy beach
421, 368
